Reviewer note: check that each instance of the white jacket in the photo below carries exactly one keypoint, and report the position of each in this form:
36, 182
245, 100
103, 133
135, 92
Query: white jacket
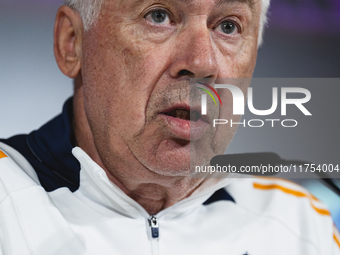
269, 216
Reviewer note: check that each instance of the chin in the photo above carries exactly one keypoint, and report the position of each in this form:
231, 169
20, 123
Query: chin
177, 160
169, 158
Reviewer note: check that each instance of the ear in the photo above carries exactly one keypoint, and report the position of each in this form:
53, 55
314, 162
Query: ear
68, 29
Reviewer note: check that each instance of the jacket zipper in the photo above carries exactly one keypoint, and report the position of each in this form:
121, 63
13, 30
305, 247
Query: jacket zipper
154, 228
153, 224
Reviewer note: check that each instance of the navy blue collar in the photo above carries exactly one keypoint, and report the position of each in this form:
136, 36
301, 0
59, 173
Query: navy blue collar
48, 150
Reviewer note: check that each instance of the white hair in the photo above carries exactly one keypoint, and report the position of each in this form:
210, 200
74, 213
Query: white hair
263, 20
89, 11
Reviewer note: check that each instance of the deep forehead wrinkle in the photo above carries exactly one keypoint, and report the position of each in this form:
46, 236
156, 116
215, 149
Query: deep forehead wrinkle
220, 2
250, 3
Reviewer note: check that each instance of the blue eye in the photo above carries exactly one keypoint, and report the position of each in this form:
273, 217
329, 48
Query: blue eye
228, 27
158, 17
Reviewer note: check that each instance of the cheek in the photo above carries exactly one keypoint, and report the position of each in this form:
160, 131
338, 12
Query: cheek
126, 55
237, 61
119, 75
247, 58
142, 67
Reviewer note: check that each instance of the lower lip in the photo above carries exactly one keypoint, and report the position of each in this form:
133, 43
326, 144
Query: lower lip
186, 129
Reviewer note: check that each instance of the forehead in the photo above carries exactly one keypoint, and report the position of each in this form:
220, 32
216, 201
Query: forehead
250, 3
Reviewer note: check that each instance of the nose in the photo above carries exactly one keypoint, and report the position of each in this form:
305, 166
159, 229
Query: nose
194, 54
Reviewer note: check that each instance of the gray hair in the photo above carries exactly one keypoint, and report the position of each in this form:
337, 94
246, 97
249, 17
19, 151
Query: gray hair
89, 11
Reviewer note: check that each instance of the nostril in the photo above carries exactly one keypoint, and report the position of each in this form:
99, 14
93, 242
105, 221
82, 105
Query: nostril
184, 72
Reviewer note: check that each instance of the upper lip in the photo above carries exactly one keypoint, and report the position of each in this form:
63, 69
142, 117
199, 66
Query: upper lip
183, 106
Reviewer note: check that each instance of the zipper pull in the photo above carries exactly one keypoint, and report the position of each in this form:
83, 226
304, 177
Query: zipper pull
154, 226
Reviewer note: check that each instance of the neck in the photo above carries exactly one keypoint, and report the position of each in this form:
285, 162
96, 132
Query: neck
152, 191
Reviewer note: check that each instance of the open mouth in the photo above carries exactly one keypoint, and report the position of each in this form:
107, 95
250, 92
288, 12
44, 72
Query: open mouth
184, 114
184, 122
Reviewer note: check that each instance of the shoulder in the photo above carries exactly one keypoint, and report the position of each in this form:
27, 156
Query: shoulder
289, 205
16, 174
28, 216
272, 195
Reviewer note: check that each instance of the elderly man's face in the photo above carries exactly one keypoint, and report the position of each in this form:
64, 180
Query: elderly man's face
136, 65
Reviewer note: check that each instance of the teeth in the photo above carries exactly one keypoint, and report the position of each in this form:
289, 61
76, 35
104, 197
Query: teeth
178, 114
184, 115
181, 114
